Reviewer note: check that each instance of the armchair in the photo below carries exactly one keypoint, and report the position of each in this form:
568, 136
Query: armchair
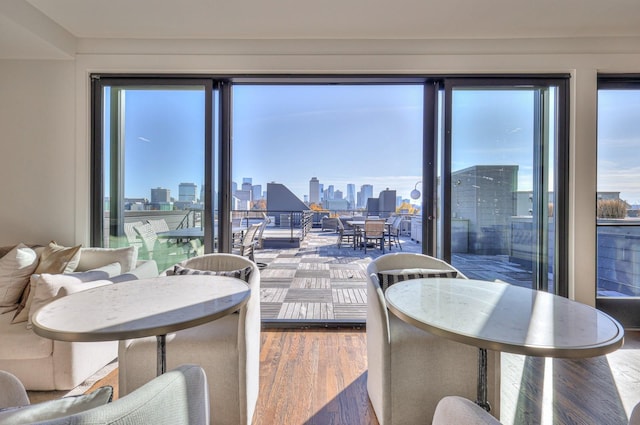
177, 397
228, 349
410, 370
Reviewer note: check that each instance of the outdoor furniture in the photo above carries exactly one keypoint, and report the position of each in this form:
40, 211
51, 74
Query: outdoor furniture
374, 231
348, 235
158, 226
393, 231
329, 223
148, 236
410, 370
249, 241
131, 235
259, 235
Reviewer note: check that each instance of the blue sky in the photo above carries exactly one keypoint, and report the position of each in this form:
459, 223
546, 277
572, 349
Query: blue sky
354, 134
619, 143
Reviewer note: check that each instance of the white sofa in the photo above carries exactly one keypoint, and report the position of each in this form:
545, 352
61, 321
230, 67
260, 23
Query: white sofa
410, 370
228, 349
42, 364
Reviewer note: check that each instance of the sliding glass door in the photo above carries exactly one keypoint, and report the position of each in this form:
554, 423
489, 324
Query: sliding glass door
502, 197
151, 141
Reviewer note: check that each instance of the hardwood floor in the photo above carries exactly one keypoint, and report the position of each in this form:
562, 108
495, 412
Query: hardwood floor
313, 377
318, 376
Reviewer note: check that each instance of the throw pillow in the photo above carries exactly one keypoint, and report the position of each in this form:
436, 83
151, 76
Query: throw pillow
92, 258
15, 269
242, 274
58, 259
389, 277
54, 409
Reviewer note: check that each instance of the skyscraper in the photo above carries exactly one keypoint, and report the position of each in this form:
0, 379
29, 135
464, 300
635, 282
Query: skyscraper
187, 192
366, 191
351, 195
314, 190
160, 194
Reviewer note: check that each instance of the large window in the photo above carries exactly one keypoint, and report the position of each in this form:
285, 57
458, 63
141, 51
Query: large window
333, 148
477, 163
618, 198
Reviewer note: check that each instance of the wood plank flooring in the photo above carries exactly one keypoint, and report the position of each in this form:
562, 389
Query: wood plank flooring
313, 377
318, 376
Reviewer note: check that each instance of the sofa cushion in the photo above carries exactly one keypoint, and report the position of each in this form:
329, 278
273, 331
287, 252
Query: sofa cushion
92, 258
58, 408
15, 268
53, 282
58, 259
20, 343
242, 274
48, 287
389, 277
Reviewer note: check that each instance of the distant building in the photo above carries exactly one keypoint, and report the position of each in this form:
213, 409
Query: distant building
366, 192
351, 195
257, 192
386, 203
242, 199
336, 205
314, 190
159, 195
187, 192
337, 194
484, 200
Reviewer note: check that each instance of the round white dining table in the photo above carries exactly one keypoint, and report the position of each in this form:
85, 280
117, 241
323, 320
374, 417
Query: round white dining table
503, 317
140, 308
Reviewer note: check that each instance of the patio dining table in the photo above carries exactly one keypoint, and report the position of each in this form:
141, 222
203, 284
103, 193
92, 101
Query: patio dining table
358, 225
192, 233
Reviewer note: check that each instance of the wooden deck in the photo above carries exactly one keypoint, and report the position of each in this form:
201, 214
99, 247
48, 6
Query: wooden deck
317, 283
321, 284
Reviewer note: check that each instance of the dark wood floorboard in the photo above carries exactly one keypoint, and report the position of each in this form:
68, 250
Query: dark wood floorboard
318, 376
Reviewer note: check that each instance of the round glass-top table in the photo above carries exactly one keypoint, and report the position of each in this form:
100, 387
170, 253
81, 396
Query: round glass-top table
502, 317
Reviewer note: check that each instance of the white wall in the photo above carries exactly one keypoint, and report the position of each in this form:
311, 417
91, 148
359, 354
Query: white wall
37, 136
45, 116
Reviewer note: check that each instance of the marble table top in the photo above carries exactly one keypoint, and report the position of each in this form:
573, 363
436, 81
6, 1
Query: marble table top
503, 317
140, 308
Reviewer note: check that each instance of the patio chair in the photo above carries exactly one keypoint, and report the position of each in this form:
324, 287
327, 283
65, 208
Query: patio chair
160, 225
374, 230
130, 233
259, 235
249, 241
228, 349
348, 235
148, 237
410, 370
394, 232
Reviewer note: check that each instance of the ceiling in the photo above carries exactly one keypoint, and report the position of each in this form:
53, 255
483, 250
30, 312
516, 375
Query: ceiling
38, 28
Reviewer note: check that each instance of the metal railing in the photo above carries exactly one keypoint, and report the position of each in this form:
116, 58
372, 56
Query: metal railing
297, 223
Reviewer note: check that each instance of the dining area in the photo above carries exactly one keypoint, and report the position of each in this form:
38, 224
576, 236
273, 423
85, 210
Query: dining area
370, 232
423, 311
